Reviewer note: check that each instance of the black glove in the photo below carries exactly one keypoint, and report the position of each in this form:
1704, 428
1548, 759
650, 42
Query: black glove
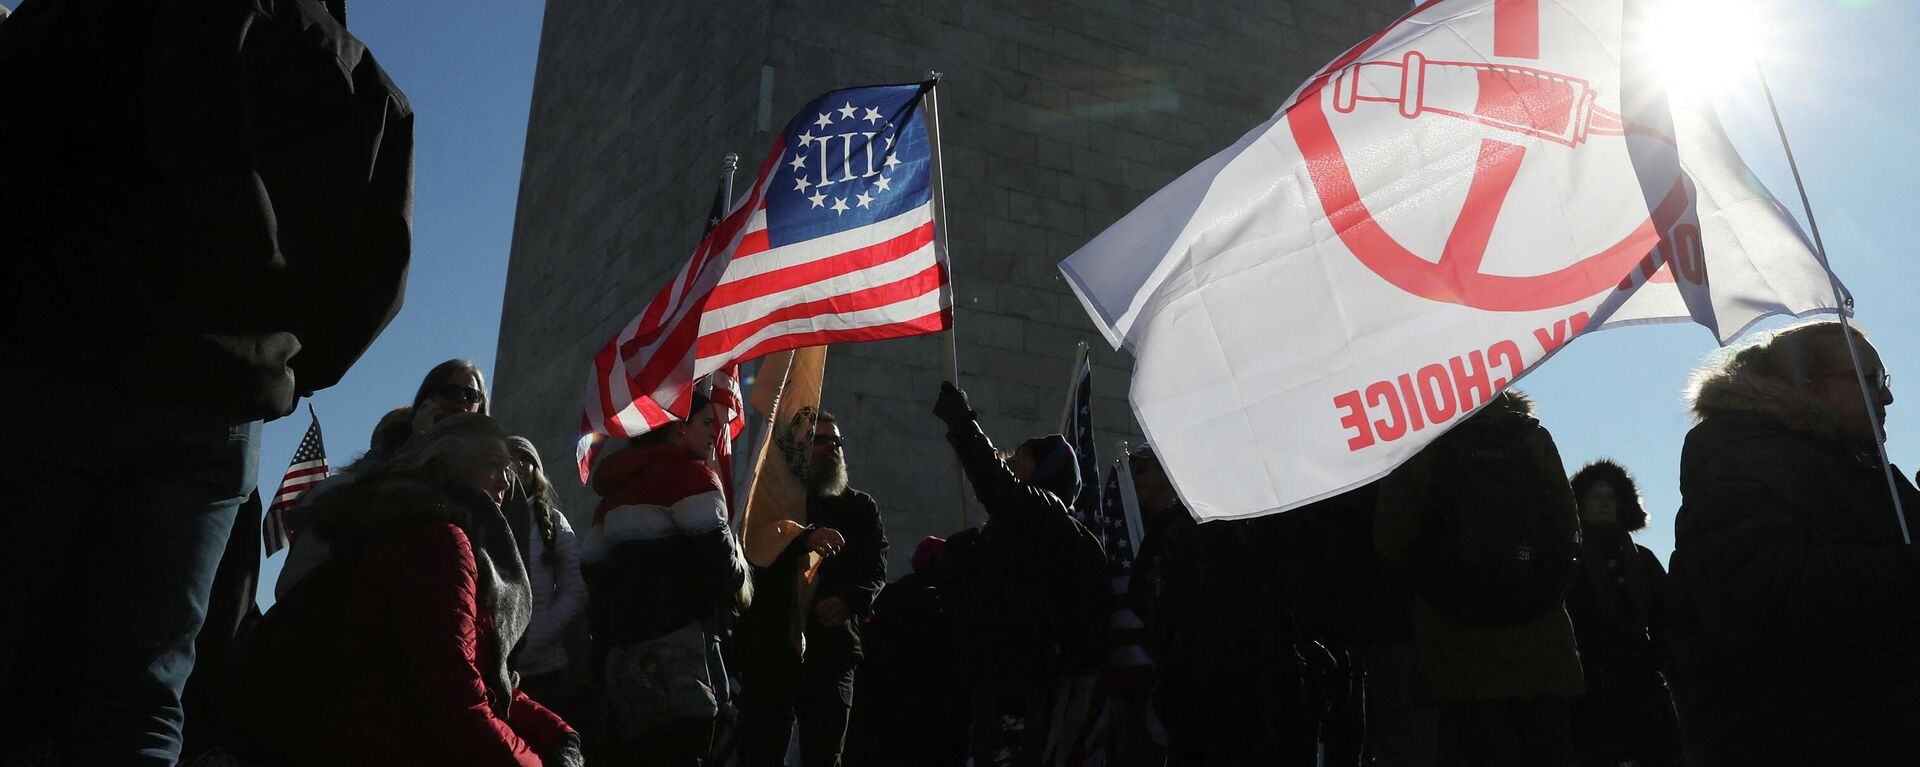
566, 753
952, 406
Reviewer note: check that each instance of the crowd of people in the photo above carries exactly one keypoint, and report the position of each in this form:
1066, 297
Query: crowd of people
219, 253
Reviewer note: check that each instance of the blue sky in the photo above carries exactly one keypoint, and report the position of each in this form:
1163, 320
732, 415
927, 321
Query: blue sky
467, 68
1835, 67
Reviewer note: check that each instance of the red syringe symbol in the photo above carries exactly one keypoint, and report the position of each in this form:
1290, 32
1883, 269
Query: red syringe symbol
1523, 100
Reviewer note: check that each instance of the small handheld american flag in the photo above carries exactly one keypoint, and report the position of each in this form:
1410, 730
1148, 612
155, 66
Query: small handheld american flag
309, 466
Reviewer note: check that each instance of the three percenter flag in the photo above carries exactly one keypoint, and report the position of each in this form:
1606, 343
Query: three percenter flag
834, 244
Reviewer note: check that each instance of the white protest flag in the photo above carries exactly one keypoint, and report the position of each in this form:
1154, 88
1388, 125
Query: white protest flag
1429, 217
1736, 256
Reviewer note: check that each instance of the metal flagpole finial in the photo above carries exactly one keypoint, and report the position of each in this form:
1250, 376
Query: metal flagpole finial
934, 75
730, 161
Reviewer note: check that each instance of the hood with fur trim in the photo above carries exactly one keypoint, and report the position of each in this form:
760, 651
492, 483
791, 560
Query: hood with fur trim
1632, 515
1511, 403
1726, 392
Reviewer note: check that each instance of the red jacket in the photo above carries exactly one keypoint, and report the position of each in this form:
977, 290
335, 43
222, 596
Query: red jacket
414, 627
382, 655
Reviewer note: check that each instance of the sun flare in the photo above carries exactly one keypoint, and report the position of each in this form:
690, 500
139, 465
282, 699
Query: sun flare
1704, 46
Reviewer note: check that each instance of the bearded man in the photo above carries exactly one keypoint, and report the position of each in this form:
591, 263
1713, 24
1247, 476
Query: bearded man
781, 684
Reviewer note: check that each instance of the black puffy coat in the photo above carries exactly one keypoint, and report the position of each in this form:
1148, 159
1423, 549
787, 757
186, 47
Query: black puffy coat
1617, 600
1795, 606
1032, 606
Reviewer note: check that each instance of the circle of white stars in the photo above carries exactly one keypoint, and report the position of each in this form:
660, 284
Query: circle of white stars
847, 113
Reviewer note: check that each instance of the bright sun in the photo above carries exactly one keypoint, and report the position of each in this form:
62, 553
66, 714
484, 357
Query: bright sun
1705, 45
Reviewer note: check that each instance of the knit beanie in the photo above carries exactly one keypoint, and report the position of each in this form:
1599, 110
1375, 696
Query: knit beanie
1056, 468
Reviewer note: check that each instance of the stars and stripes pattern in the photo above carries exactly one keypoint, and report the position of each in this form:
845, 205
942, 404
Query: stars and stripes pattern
1079, 430
722, 386
1128, 670
833, 244
308, 467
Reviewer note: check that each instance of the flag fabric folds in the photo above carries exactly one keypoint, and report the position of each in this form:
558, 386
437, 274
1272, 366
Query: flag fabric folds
833, 244
1078, 430
308, 467
1429, 217
775, 514
722, 388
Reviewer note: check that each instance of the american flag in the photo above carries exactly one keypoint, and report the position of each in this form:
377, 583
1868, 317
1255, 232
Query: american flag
722, 386
1128, 670
1079, 429
309, 466
834, 244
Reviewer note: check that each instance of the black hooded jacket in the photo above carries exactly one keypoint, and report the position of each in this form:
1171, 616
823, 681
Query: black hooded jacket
1617, 600
1028, 603
1796, 608
216, 195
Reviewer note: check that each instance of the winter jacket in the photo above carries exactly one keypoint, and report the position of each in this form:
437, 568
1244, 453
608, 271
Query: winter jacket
1454, 662
1617, 601
393, 651
219, 191
1024, 600
559, 597
911, 706
659, 554
1796, 608
854, 575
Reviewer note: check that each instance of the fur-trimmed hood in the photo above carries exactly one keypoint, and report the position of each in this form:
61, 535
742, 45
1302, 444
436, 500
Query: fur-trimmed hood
1725, 392
365, 510
1511, 403
1632, 515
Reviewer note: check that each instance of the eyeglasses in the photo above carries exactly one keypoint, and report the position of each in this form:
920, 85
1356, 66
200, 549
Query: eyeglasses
459, 393
829, 439
1883, 378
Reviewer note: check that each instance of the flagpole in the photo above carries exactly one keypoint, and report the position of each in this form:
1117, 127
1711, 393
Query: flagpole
1845, 306
728, 165
940, 247
1073, 379
1130, 499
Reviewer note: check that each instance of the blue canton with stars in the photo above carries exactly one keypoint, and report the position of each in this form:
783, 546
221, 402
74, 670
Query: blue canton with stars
851, 158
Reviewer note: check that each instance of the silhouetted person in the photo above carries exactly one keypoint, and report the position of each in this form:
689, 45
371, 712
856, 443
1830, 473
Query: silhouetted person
1796, 607
395, 649
204, 216
665, 575
1617, 602
1481, 528
1038, 599
779, 685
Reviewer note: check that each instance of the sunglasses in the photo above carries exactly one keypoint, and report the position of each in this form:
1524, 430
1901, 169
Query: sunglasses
829, 439
459, 393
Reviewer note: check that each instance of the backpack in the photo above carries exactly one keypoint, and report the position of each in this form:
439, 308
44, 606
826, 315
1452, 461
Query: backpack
1488, 554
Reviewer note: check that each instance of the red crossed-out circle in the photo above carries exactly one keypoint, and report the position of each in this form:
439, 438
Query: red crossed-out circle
1456, 278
